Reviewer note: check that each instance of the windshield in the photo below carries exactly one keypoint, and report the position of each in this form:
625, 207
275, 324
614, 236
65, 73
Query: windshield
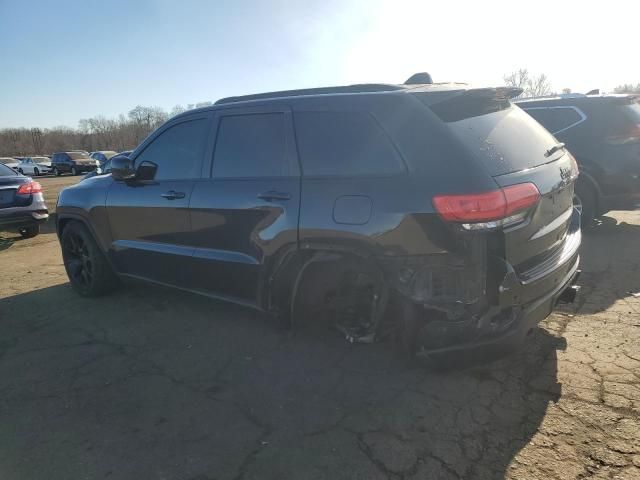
77, 155
108, 155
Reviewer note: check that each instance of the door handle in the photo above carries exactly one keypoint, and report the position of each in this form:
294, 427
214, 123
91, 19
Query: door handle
273, 195
172, 195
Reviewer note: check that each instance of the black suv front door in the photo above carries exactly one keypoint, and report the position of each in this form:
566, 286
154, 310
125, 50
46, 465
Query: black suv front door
244, 212
149, 219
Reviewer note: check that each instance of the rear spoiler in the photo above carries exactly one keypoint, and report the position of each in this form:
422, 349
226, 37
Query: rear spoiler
457, 105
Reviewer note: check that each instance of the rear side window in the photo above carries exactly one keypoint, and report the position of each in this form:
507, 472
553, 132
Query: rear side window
178, 151
251, 146
555, 119
344, 144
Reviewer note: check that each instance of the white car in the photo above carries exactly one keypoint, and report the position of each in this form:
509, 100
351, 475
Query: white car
10, 162
34, 166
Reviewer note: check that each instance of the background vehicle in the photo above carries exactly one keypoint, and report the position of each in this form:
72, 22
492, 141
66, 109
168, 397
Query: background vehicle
9, 162
603, 133
73, 162
34, 166
22, 206
103, 155
353, 199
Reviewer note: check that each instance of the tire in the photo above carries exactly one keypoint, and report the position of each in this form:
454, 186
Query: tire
585, 200
87, 268
36, 172
56, 172
20, 171
29, 232
74, 172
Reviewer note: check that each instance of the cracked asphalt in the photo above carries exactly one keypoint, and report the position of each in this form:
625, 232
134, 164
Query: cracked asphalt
148, 383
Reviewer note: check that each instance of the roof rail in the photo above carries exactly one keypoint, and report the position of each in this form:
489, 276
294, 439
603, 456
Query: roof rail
362, 88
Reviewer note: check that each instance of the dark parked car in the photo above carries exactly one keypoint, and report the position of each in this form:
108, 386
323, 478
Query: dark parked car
603, 133
22, 206
73, 162
105, 167
103, 155
440, 212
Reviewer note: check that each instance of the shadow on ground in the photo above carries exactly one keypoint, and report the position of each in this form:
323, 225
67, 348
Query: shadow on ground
9, 238
608, 257
150, 383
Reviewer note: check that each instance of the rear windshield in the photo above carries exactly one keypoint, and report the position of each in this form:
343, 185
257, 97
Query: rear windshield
77, 155
108, 155
7, 160
6, 171
505, 141
40, 159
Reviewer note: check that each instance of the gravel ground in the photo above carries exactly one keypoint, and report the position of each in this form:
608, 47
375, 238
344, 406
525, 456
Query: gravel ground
149, 383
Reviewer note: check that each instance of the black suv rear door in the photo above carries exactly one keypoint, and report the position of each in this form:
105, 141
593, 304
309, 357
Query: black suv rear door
149, 219
244, 211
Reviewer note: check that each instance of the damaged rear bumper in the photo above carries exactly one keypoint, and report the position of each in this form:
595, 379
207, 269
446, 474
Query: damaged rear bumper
500, 329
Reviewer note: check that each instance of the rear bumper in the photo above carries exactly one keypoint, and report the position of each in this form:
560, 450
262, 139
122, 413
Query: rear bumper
521, 322
13, 220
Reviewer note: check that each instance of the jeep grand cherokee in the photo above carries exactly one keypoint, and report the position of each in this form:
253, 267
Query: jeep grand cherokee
437, 211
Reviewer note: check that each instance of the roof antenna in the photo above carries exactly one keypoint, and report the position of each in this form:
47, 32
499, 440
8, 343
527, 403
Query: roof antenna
419, 78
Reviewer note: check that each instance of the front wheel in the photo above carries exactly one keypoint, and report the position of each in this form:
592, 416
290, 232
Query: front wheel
36, 172
88, 270
56, 172
20, 171
74, 172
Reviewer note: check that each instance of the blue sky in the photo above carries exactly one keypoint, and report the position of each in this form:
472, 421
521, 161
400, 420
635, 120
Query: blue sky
64, 60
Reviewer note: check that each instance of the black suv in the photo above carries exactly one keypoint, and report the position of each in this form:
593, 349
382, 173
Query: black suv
438, 212
603, 133
74, 162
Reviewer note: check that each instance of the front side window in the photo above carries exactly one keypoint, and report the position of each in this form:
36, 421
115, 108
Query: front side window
344, 143
177, 151
251, 146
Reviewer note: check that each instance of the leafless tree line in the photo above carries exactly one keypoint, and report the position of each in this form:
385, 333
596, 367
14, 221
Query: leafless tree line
539, 86
97, 133
531, 85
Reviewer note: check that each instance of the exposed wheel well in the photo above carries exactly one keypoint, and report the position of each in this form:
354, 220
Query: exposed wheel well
343, 286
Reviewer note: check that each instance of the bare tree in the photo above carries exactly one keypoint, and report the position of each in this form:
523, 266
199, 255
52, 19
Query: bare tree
532, 86
36, 139
177, 110
519, 79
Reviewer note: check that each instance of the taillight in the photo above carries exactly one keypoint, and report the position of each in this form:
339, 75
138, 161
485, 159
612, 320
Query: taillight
631, 135
488, 209
29, 188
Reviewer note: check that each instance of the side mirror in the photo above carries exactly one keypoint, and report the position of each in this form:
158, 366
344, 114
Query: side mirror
122, 168
146, 171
